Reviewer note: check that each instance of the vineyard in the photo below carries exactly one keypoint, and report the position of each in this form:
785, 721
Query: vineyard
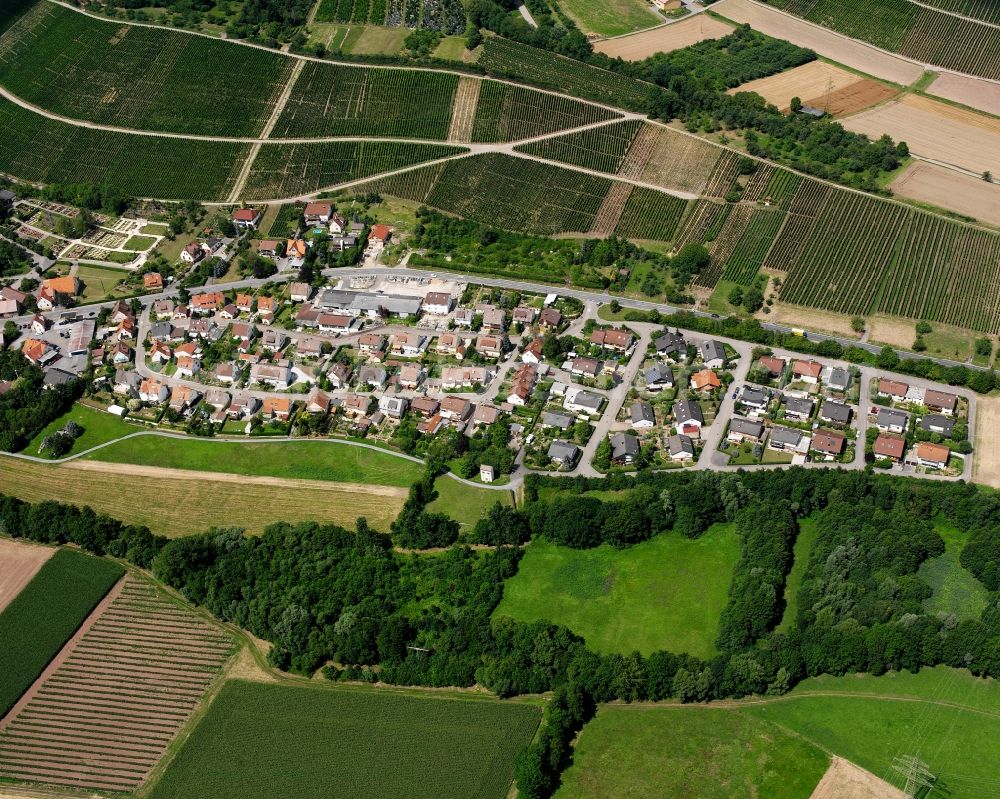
506, 59
332, 100
680, 162
519, 195
261, 741
651, 215
747, 256
286, 221
413, 185
447, 16
914, 31
291, 170
508, 113
41, 150
603, 149
139, 77
11, 10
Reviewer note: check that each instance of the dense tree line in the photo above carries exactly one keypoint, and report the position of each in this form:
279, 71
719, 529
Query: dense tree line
13, 259
27, 407
414, 527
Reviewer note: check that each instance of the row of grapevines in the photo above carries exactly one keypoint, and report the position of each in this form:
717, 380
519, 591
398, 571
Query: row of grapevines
747, 256
602, 148
651, 215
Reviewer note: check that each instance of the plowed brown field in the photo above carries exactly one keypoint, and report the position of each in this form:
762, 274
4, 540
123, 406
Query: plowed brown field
19, 562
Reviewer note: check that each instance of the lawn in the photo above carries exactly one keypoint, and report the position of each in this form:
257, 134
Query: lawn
452, 48
695, 753
611, 17
139, 243
956, 590
98, 427
298, 742
464, 503
98, 282
666, 593
803, 545
44, 616
183, 506
311, 459
379, 41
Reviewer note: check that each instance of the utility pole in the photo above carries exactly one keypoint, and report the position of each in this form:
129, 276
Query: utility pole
916, 773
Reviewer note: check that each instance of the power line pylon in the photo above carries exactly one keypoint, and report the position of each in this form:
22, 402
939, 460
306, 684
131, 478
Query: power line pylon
917, 774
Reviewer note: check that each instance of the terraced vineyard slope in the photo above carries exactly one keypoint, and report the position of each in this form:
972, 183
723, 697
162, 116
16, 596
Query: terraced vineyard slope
115, 699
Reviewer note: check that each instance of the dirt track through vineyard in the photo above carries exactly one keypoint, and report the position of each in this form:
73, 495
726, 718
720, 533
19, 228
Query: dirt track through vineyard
105, 711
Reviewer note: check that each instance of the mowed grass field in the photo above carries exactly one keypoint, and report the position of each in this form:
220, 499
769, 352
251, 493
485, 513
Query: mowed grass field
297, 460
98, 428
695, 753
99, 282
956, 589
464, 503
45, 614
666, 593
263, 741
184, 506
611, 17
777, 748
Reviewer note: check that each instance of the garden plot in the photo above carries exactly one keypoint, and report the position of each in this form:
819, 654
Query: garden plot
113, 700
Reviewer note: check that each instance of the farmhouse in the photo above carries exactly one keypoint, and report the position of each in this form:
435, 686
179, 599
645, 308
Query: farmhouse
624, 448
359, 303
680, 447
891, 447
933, 456
642, 415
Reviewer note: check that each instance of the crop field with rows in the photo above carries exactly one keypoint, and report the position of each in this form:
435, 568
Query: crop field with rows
676, 161
291, 170
603, 149
723, 177
333, 100
285, 222
651, 215
139, 77
42, 150
351, 11
506, 113
262, 741
747, 256
520, 195
914, 31
724, 242
414, 185
46, 614
507, 59
118, 696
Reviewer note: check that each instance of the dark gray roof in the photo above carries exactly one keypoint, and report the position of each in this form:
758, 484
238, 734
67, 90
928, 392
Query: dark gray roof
670, 343
587, 399
54, 376
642, 412
680, 443
6, 195
799, 405
712, 350
563, 451
890, 417
623, 444
746, 427
659, 373
686, 410
836, 411
554, 419
937, 422
754, 397
786, 435
839, 378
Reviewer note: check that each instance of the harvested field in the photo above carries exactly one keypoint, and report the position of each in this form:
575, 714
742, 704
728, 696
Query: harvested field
638, 46
964, 89
680, 162
19, 562
986, 463
844, 780
109, 706
958, 192
825, 42
848, 93
252, 506
936, 130
854, 98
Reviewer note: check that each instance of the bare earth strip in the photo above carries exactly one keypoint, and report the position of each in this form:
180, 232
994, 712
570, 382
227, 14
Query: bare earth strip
844, 780
936, 130
78, 728
946, 188
19, 562
964, 89
827, 43
463, 114
637, 46
986, 465
608, 215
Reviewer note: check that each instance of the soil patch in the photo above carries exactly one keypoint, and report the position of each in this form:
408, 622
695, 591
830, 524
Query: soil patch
986, 463
809, 80
853, 98
894, 332
812, 319
638, 46
825, 42
844, 780
967, 90
19, 562
946, 188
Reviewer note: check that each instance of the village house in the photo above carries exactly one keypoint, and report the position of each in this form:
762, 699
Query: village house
563, 453
485, 414
192, 253
836, 378
152, 281
296, 250
585, 367
339, 375
658, 377
163, 309
307, 316
451, 344
785, 439
554, 419
741, 430
39, 324
181, 312
453, 377
495, 320
309, 347
523, 384
490, 346
755, 399
356, 405
533, 352
207, 303
937, 423
940, 401
228, 372
269, 248
671, 346
828, 444
160, 353
411, 375
127, 382
277, 375
891, 447
379, 236
337, 225
299, 292
392, 407
892, 421
705, 381
487, 473
57, 291
774, 367
183, 398
642, 415
274, 340
266, 306
425, 407
549, 319
892, 389
833, 412
455, 409
153, 391
464, 317
246, 218
369, 343
279, 408
244, 302
583, 402
801, 410
37, 351
713, 353
187, 366
436, 303
807, 371
244, 406
243, 330
335, 323
373, 377
680, 447
688, 417
524, 315
409, 344
229, 312
624, 448
121, 353
317, 213
612, 339
932, 456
